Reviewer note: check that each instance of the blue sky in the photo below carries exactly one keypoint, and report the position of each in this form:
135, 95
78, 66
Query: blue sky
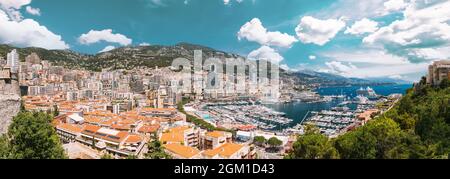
367, 39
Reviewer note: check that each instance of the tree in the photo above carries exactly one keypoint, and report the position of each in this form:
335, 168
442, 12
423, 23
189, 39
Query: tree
313, 146
274, 142
358, 144
107, 157
132, 157
55, 111
33, 137
445, 84
156, 150
259, 141
4, 147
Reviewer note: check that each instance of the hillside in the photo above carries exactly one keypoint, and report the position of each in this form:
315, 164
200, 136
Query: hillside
330, 80
418, 127
162, 56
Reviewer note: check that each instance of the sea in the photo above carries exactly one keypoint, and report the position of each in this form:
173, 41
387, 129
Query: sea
299, 111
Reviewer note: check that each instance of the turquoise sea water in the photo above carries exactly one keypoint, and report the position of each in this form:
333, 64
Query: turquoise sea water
298, 110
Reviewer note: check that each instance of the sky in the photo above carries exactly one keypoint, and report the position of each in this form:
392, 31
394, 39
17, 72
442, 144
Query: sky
395, 39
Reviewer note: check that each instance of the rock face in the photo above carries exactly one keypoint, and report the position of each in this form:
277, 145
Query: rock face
9, 107
9, 103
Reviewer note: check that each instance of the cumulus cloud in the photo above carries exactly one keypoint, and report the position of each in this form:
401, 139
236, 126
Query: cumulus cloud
370, 57
312, 57
425, 25
395, 5
339, 68
33, 11
28, 33
107, 49
361, 27
317, 31
16, 4
256, 32
266, 53
432, 53
106, 35
12, 7
374, 71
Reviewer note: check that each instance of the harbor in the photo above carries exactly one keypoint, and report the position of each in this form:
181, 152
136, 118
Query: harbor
332, 113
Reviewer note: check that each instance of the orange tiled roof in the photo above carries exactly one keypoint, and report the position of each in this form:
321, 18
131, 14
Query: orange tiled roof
216, 134
181, 150
70, 128
149, 128
226, 150
133, 139
172, 137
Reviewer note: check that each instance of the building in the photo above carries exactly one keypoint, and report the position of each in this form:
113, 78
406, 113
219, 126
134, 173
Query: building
178, 151
33, 58
13, 61
228, 151
438, 71
215, 139
183, 135
68, 133
118, 143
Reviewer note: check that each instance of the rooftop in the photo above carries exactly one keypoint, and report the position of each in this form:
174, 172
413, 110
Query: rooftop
226, 150
181, 150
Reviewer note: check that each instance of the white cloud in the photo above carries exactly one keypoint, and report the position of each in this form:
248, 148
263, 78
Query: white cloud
375, 71
228, 2
339, 68
363, 26
312, 57
106, 35
431, 53
12, 7
316, 31
396, 77
33, 11
256, 32
425, 25
16, 4
144, 44
266, 53
395, 5
353, 9
366, 57
107, 49
28, 33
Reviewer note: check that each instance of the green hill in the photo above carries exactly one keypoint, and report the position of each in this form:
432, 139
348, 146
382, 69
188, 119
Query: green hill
418, 127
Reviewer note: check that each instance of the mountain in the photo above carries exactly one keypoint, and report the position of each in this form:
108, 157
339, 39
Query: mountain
390, 80
326, 79
131, 57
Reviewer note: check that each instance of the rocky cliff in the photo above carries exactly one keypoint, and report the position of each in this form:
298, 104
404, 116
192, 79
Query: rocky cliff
9, 104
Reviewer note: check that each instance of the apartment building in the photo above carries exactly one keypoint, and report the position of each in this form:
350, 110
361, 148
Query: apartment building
214, 139
438, 71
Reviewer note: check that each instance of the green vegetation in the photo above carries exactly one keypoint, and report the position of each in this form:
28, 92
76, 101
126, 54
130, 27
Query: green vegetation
106, 157
31, 136
259, 141
313, 146
156, 150
416, 128
274, 142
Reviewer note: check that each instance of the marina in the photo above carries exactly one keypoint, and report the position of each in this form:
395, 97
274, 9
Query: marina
332, 113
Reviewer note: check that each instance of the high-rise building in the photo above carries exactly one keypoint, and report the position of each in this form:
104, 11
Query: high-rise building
13, 61
438, 71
